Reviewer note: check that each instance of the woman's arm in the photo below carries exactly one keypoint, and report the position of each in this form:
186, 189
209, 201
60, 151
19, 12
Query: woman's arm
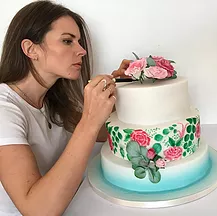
50, 194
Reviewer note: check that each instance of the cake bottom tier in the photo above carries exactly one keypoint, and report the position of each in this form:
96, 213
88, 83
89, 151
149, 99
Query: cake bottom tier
177, 174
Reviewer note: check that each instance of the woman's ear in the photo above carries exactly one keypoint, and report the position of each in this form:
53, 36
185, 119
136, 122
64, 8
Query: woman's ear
29, 49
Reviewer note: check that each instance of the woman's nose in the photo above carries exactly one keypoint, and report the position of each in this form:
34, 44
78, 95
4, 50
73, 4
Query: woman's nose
81, 51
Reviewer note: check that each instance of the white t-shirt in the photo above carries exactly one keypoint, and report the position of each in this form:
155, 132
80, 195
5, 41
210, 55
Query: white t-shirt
20, 123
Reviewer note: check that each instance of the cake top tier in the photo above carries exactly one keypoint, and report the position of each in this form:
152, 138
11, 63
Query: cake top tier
151, 103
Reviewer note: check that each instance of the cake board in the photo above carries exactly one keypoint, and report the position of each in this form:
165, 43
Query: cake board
164, 199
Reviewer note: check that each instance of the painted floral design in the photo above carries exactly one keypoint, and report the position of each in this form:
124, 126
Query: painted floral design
149, 150
141, 137
184, 135
110, 142
197, 134
161, 163
173, 153
151, 153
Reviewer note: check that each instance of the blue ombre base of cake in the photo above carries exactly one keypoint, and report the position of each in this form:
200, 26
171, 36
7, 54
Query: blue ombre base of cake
161, 199
179, 179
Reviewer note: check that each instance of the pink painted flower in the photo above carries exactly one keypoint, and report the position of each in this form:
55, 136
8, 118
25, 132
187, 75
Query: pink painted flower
173, 153
197, 134
141, 137
136, 67
110, 142
151, 153
156, 72
157, 58
165, 64
160, 163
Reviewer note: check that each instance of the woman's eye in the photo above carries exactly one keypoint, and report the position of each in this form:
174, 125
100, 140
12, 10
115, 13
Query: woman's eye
67, 42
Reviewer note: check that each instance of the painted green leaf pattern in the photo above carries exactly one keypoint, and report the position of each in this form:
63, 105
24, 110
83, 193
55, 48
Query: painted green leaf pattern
154, 176
180, 134
122, 152
140, 172
158, 137
157, 147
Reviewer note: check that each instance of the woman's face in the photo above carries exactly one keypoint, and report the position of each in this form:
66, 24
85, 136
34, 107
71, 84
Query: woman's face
60, 55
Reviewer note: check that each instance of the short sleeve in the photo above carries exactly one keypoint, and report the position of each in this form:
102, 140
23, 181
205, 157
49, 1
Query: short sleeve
13, 125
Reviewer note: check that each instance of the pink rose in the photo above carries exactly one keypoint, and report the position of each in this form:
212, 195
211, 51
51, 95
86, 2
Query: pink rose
160, 163
157, 58
110, 142
197, 134
141, 137
151, 153
156, 72
136, 67
173, 153
165, 64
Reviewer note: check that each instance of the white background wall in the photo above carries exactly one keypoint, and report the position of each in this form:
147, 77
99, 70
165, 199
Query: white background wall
182, 30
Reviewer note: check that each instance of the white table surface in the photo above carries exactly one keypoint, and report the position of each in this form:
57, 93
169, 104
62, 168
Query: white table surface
87, 203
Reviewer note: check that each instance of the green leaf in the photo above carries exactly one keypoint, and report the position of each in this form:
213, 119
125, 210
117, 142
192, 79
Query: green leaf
128, 131
128, 157
172, 141
154, 176
152, 166
187, 137
136, 160
120, 135
184, 154
185, 146
166, 131
134, 166
140, 172
158, 137
144, 163
117, 140
171, 61
133, 149
150, 61
192, 136
107, 123
157, 147
122, 152
194, 120
193, 129
178, 143
171, 128
189, 128
113, 133
189, 120
137, 57
116, 128
115, 150
156, 157
110, 129
143, 151
127, 138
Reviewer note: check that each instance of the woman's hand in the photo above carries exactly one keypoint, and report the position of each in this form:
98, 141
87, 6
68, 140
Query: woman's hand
99, 100
120, 71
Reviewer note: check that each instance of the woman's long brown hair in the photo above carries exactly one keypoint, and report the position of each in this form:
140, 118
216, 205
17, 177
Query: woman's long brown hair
64, 99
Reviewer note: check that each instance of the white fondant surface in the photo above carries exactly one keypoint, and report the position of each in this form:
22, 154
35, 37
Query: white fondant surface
153, 103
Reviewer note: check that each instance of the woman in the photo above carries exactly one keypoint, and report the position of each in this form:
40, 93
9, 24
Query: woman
44, 68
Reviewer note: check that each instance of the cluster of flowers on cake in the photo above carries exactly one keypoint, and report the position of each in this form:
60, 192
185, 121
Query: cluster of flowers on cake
152, 67
146, 159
